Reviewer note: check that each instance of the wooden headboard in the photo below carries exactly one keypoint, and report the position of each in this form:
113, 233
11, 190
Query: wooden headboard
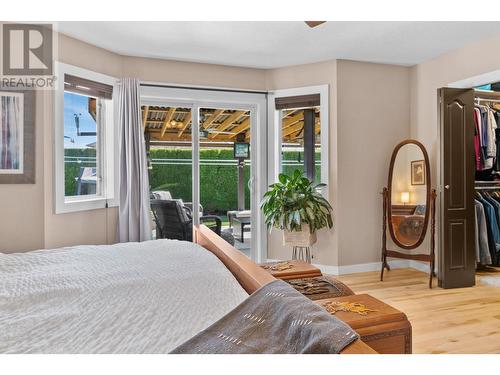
250, 275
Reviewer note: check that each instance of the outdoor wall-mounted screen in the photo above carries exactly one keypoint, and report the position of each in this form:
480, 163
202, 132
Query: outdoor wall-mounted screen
241, 150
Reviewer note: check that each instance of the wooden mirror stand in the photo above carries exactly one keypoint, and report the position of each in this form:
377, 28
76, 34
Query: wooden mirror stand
396, 254
408, 230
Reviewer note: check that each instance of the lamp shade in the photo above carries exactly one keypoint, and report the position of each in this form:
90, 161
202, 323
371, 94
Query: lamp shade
405, 197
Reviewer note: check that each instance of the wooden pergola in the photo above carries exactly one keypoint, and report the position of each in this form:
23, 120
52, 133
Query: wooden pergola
173, 124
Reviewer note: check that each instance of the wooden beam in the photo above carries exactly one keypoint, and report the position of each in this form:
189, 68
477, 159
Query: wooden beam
245, 124
145, 113
228, 122
169, 136
291, 137
185, 124
292, 129
288, 121
174, 137
212, 118
164, 110
168, 118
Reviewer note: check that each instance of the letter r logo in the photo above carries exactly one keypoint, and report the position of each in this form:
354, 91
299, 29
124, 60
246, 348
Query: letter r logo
27, 49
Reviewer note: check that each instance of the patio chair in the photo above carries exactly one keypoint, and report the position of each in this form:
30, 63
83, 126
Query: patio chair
86, 181
165, 195
175, 221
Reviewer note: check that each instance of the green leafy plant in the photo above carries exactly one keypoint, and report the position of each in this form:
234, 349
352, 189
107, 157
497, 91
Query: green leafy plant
294, 201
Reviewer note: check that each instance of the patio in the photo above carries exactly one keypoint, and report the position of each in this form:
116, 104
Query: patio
224, 174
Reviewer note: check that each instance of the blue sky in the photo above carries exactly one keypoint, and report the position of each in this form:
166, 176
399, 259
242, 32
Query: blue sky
74, 103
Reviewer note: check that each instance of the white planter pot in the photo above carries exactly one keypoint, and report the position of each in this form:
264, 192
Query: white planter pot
303, 238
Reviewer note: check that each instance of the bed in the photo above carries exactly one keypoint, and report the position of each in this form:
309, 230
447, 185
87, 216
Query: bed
123, 298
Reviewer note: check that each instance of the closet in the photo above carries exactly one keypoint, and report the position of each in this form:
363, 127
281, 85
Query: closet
470, 180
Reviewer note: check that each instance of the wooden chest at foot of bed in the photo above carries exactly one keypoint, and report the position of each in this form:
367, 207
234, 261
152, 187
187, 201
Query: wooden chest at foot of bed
385, 329
321, 287
291, 269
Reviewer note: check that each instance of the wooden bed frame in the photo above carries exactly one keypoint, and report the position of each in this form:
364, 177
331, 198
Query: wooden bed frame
250, 275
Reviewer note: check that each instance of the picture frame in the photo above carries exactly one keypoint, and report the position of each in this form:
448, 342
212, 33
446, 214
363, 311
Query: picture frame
418, 172
17, 136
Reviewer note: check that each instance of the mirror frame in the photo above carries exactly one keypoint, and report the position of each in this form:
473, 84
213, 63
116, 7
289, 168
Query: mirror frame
427, 199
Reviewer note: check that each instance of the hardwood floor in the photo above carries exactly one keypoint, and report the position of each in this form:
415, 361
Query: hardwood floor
463, 320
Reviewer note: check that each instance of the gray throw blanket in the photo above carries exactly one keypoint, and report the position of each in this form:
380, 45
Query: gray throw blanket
274, 319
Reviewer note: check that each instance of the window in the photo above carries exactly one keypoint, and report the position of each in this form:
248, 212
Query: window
301, 142
86, 147
299, 133
82, 141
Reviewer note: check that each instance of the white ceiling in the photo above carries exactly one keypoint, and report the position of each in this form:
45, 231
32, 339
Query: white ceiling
277, 44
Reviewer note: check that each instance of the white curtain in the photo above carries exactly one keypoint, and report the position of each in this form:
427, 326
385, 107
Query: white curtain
134, 217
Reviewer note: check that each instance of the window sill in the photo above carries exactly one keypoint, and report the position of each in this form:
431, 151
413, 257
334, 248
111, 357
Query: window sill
76, 205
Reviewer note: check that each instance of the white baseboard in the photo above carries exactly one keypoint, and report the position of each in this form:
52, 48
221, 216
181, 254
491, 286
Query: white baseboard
369, 267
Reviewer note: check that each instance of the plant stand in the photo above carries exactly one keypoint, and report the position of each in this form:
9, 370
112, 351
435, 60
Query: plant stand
301, 253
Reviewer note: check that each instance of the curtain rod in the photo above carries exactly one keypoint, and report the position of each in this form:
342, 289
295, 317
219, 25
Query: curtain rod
203, 88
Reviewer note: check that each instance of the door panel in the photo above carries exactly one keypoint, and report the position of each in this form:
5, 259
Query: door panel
457, 250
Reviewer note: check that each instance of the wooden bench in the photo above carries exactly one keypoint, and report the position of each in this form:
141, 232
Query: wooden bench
386, 330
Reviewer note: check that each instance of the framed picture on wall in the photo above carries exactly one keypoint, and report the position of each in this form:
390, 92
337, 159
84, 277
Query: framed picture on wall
418, 172
17, 137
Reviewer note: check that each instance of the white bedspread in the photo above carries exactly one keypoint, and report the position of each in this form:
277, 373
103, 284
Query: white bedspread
128, 298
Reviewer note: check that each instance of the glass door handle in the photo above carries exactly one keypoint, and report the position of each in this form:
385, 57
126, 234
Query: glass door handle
251, 181
447, 187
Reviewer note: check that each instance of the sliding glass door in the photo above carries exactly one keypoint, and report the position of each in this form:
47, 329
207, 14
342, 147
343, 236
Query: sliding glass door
207, 149
225, 172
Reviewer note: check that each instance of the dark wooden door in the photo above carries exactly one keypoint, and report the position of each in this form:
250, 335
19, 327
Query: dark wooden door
457, 260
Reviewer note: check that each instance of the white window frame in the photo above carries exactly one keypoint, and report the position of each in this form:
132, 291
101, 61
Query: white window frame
275, 130
108, 146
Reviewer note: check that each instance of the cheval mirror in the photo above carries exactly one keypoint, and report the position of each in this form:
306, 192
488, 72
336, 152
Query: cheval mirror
408, 205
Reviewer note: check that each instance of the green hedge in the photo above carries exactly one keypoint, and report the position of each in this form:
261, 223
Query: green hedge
299, 157
218, 183
72, 167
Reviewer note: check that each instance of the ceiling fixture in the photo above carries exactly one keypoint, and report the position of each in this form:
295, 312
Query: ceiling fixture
314, 23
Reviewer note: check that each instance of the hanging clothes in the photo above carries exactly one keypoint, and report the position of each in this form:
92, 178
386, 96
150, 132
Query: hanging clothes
477, 140
491, 147
496, 167
486, 143
493, 230
483, 255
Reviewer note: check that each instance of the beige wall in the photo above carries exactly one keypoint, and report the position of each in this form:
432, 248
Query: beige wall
185, 73
326, 250
22, 206
369, 115
373, 116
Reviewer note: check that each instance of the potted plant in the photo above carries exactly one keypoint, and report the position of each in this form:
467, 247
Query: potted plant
295, 205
